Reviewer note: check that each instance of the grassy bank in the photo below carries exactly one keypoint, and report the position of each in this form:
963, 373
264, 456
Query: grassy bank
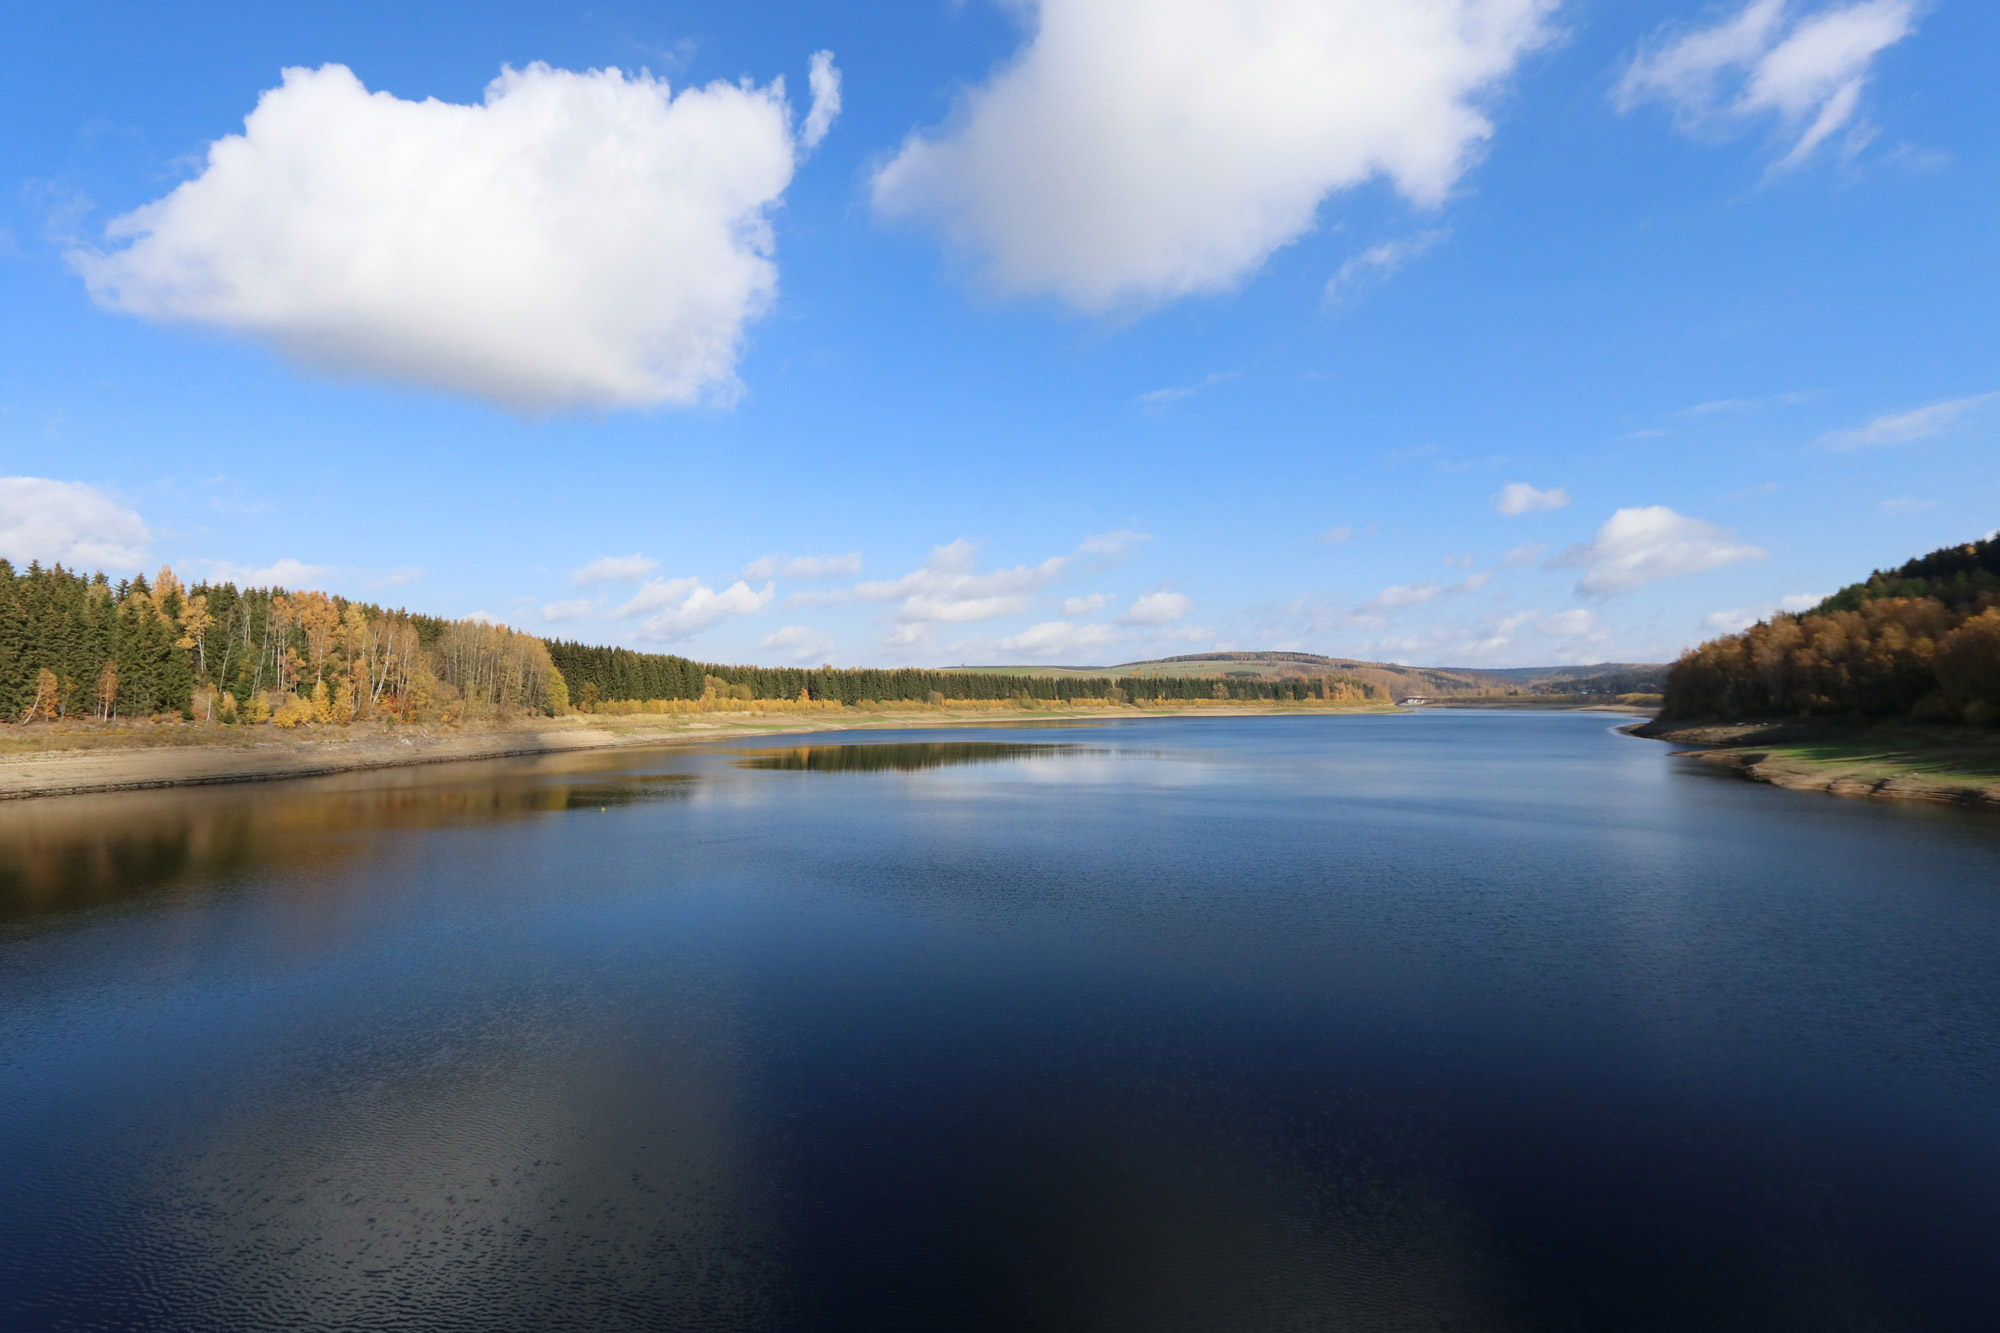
1899, 760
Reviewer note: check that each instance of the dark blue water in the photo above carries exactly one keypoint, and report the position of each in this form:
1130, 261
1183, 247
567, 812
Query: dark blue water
1453, 1021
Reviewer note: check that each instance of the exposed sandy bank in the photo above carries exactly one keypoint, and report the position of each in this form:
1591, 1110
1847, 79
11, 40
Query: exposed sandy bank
1950, 765
195, 756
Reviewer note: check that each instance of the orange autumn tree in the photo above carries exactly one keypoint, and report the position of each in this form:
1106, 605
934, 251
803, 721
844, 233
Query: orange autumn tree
1920, 642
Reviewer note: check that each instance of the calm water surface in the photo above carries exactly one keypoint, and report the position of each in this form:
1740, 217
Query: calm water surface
1454, 1021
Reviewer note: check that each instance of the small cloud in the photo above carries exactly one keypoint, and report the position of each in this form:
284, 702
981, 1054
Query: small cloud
1743, 617
1157, 608
1160, 399
1112, 543
1518, 497
678, 609
1336, 536
1732, 405
394, 578
485, 618
949, 589
1525, 554
1761, 488
1402, 595
571, 610
286, 573
1059, 639
1808, 72
1439, 460
656, 593
1377, 264
799, 644
1084, 606
1568, 624
613, 569
1640, 546
1903, 504
823, 79
804, 568
818, 598
1908, 427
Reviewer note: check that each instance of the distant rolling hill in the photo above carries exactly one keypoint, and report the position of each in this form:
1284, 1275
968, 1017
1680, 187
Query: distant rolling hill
1402, 681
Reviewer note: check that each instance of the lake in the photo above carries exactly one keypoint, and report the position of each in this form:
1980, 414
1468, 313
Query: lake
1453, 1021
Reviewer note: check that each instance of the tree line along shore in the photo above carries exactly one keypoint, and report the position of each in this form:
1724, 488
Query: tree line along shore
78, 647
1890, 687
1919, 643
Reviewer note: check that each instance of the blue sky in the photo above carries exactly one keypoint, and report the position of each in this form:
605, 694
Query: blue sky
1480, 332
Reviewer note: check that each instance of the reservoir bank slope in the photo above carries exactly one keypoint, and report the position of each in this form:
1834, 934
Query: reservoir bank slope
185, 755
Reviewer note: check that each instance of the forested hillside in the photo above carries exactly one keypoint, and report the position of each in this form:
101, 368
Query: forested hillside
75, 645
1921, 641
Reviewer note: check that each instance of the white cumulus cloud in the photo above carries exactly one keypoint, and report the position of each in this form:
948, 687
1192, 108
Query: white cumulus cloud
1140, 150
577, 239
682, 608
1640, 546
613, 569
1771, 58
1157, 608
68, 523
1517, 497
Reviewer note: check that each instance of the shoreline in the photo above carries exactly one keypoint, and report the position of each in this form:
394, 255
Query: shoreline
88, 770
1957, 766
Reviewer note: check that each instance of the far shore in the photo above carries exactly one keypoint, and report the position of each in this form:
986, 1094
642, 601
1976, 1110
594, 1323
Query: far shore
1950, 765
190, 755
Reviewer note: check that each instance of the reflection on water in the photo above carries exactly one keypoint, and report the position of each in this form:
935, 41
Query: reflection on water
908, 757
62, 854
1447, 1021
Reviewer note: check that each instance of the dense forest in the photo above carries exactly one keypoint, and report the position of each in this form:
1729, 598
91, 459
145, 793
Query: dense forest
75, 645
1920, 642
79, 646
